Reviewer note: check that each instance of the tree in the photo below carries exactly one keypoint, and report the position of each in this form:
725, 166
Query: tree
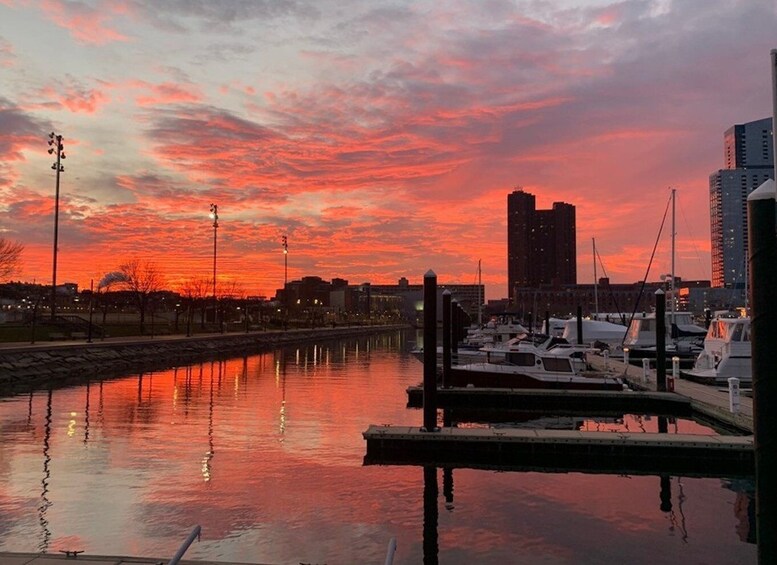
10, 257
142, 279
195, 289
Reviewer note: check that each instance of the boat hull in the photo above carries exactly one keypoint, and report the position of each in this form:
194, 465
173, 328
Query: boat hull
501, 379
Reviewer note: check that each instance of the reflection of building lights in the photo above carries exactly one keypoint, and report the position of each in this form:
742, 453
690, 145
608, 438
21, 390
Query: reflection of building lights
71, 425
206, 466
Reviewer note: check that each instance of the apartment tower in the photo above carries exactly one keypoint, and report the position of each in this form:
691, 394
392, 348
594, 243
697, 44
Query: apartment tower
749, 162
540, 243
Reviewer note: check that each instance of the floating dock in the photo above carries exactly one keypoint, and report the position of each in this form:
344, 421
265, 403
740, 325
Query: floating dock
568, 402
561, 450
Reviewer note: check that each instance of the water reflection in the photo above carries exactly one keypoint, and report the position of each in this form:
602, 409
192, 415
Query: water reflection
45, 503
431, 516
288, 485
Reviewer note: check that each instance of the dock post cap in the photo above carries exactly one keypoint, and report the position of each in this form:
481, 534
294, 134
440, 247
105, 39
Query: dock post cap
659, 291
446, 292
766, 191
430, 273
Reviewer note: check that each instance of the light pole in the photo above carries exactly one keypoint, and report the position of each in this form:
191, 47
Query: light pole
56, 145
214, 215
285, 243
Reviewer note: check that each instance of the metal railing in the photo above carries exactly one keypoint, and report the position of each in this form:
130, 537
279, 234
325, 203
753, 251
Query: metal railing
392, 548
185, 545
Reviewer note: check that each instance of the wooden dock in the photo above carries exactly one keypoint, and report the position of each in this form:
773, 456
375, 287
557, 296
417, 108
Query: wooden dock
590, 452
561, 450
710, 401
567, 402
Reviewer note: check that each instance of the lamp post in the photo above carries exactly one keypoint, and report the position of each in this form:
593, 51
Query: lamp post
285, 243
214, 215
56, 145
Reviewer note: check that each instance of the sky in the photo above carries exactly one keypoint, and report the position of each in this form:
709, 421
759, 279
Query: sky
381, 137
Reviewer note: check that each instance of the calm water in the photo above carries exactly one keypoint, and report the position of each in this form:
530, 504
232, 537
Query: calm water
265, 453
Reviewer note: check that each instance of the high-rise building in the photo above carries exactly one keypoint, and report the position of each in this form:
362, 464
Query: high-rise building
749, 162
540, 243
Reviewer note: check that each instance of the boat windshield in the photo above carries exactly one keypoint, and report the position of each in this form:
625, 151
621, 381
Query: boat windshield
557, 364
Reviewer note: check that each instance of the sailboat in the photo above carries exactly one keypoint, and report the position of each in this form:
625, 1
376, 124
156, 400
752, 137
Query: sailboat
684, 339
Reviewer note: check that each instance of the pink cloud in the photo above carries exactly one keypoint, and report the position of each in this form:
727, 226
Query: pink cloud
86, 24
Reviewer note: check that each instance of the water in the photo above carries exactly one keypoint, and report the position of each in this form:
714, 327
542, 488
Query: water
265, 453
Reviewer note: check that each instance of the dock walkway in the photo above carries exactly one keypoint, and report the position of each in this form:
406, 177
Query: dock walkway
709, 400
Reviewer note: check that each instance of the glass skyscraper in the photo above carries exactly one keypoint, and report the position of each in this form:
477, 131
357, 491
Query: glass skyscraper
749, 162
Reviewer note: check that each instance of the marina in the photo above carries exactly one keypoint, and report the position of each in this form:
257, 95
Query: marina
266, 453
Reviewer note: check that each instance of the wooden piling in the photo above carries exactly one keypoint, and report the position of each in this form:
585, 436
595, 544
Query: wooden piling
447, 333
763, 272
661, 340
430, 351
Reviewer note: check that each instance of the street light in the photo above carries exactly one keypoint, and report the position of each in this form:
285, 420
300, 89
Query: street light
285, 244
214, 215
56, 145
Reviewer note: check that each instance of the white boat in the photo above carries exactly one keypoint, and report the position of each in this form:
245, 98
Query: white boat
727, 353
522, 367
684, 339
599, 334
469, 350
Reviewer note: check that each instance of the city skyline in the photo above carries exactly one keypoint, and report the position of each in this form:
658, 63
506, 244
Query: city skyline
382, 140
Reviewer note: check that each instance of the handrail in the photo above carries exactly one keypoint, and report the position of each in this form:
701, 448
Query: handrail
185, 545
392, 548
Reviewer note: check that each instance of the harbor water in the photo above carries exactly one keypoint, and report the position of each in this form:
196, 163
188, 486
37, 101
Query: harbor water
265, 453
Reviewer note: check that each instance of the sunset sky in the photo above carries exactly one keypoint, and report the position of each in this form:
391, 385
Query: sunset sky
381, 137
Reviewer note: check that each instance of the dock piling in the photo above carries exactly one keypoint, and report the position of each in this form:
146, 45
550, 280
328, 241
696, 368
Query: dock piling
661, 340
447, 331
763, 271
430, 352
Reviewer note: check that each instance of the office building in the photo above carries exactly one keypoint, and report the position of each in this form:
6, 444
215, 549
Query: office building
540, 243
749, 162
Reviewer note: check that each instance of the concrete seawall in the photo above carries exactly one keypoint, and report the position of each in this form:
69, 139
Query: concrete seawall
28, 366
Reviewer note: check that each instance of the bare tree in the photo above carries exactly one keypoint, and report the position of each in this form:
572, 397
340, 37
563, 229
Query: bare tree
143, 279
10, 257
195, 289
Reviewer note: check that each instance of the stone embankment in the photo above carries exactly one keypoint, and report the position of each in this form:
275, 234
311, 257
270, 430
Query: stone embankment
30, 366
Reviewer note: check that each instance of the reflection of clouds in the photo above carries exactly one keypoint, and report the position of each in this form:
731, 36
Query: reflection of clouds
310, 499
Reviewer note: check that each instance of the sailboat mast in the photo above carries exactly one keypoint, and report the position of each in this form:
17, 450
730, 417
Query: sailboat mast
672, 299
480, 296
596, 283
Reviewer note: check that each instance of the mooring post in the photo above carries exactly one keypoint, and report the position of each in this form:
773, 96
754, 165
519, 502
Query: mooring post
762, 238
580, 325
455, 325
446, 337
430, 352
733, 395
660, 341
606, 355
547, 322
645, 370
626, 361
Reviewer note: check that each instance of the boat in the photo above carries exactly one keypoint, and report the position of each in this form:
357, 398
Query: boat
495, 332
684, 339
727, 353
523, 365
600, 334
